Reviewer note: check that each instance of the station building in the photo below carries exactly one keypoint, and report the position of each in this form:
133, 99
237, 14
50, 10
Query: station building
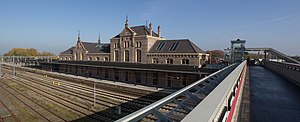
138, 44
136, 55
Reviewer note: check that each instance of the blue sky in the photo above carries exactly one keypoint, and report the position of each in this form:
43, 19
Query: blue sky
51, 25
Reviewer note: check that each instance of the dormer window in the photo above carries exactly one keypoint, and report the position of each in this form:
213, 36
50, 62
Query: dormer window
160, 46
174, 46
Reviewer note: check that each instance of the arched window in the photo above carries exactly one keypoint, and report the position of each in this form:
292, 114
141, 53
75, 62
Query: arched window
105, 58
97, 58
138, 56
116, 55
81, 56
90, 58
126, 55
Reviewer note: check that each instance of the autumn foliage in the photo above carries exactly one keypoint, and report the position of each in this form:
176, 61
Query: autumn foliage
27, 52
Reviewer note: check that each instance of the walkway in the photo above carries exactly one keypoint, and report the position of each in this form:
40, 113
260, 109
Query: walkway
273, 98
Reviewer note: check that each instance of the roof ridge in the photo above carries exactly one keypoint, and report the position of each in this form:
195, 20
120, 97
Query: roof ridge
191, 45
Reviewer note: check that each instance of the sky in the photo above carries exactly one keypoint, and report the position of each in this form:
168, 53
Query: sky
52, 25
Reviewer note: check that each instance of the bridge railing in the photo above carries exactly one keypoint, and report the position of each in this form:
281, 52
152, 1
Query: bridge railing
181, 102
221, 104
290, 71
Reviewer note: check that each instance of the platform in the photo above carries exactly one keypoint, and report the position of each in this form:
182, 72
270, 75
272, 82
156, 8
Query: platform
273, 98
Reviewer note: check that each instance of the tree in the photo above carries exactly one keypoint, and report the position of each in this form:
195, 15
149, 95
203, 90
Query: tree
27, 52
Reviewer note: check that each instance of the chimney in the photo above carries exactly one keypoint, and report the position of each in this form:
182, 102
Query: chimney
158, 31
99, 40
150, 26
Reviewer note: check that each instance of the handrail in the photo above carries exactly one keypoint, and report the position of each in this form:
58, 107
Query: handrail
153, 108
216, 105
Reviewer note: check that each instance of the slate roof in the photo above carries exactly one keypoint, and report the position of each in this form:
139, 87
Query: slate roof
95, 48
183, 46
141, 30
68, 51
91, 47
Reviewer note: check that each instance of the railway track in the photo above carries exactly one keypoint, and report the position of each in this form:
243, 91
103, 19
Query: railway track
23, 80
69, 104
105, 98
88, 90
47, 115
11, 114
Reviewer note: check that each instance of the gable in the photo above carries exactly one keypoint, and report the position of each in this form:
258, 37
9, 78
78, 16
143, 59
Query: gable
127, 32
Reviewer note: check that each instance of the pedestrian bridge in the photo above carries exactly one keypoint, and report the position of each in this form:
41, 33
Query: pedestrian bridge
236, 93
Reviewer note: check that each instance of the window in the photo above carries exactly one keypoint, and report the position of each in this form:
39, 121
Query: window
81, 56
138, 44
169, 61
155, 60
90, 58
138, 55
70, 58
174, 46
184, 79
138, 77
65, 58
185, 61
106, 73
75, 56
116, 45
169, 80
126, 55
126, 76
155, 78
99, 72
97, 58
116, 73
126, 44
160, 46
105, 58
116, 55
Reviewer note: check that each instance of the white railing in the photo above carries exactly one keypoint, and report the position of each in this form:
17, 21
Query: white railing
194, 92
221, 103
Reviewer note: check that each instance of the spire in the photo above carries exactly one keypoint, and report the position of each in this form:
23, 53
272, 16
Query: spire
99, 40
78, 39
126, 23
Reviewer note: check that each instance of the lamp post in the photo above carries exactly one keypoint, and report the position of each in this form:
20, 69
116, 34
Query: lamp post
95, 93
14, 66
1, 66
